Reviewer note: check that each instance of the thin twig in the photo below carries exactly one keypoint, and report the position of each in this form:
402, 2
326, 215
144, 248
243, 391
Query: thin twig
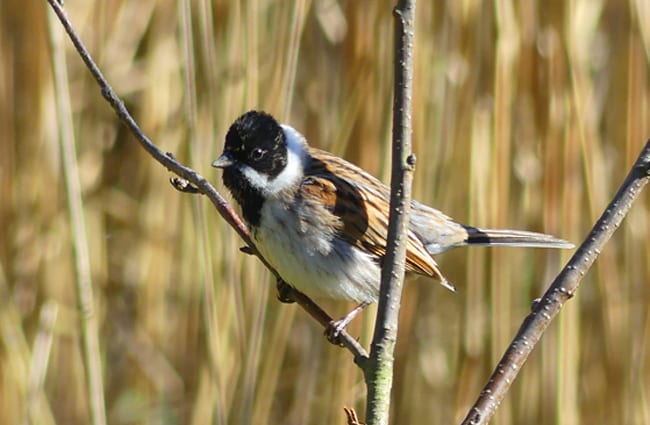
351, 416
379, 368
562, 289
200, 183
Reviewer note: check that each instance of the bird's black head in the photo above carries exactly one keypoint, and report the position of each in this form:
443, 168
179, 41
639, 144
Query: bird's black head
256, 140
254, 154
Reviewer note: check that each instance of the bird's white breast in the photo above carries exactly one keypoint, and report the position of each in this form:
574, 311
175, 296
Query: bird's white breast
310, 257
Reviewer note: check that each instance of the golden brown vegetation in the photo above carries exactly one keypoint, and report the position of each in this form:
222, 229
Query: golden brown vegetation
527, 115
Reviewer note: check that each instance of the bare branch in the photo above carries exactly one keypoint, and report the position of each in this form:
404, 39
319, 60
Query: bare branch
200, 184
562, 289
379, 369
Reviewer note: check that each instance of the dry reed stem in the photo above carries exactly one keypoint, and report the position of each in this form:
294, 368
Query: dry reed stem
83, 282
38, 410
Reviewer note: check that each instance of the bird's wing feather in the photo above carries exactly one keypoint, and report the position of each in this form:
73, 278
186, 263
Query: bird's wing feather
361, 206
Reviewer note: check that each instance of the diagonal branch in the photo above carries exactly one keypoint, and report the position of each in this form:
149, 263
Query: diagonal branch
200, 183
561, 290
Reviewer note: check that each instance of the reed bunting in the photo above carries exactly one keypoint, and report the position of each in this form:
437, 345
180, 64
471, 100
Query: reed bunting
322, 222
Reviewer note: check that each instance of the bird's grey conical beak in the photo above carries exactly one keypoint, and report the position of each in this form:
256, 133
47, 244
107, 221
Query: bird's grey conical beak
224, 161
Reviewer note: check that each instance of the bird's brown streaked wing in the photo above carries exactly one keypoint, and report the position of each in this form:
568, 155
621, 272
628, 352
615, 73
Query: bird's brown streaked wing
327, 163
432, 228
362, 214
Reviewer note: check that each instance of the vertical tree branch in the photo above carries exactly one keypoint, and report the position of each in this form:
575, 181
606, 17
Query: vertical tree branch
378, 369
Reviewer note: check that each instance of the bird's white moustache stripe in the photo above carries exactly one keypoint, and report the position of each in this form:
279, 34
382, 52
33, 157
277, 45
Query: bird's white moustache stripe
293, 171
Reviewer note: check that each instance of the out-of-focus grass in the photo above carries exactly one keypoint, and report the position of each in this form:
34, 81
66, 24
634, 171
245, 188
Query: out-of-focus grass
527, 115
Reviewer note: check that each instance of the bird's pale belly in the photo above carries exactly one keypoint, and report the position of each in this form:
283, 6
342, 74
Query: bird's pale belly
313, 262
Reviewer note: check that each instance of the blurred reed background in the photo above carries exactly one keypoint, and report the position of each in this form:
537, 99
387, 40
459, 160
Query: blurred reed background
527, 115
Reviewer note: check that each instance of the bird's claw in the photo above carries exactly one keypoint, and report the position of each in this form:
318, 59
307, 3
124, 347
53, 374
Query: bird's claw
284, 292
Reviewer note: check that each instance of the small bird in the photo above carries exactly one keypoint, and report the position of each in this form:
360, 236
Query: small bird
322, 222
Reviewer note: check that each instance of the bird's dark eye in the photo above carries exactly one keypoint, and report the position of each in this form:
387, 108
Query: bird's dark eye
257, 154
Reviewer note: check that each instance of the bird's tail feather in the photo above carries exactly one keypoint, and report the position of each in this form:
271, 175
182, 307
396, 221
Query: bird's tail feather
522, 238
